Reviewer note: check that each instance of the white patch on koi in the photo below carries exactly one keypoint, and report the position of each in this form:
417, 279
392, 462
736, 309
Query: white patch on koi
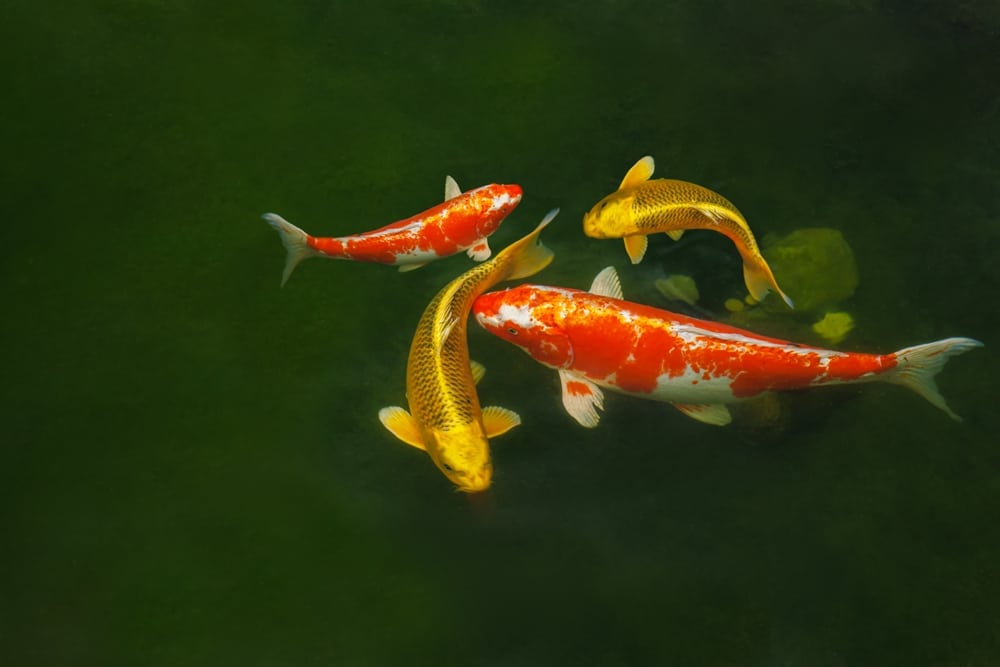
499, 201
518, 315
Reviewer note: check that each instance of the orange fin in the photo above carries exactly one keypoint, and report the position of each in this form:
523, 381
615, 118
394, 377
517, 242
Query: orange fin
497, 420
639, 173
581, 398
635, 246
402, 425
715, 414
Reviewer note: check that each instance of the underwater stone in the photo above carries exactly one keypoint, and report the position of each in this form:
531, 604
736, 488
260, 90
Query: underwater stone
814, 266
677, 287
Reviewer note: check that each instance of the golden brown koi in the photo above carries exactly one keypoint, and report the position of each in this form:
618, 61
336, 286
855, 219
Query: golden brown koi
642, 206
445, 418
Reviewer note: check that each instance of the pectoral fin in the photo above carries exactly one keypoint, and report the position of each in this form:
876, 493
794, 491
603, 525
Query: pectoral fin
497, 420
402, 425
403, 268
715, 414
478, 371
675, 234
639, 173
581, 398
479, 252
635, 246
606, 283
451, 189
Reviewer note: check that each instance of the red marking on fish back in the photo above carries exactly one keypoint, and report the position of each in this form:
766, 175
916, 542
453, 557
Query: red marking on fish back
656, 351
601, 341
852, 366
333, 247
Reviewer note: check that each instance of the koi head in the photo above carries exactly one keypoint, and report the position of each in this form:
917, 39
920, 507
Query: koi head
611, 218
528, 316
462, 453
493, 203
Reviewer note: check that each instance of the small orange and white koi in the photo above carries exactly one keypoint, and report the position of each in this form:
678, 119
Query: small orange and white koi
463, 221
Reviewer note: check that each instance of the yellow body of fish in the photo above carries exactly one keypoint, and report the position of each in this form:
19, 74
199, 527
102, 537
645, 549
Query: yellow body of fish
445, 418
641, 207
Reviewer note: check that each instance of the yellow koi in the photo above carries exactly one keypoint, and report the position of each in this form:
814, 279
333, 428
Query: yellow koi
445, 418
642, 206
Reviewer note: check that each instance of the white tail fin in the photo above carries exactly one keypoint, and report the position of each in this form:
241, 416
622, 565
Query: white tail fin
295, 240
918, 365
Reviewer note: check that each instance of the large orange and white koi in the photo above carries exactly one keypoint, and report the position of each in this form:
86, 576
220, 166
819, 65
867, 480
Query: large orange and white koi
463, 222
595, 339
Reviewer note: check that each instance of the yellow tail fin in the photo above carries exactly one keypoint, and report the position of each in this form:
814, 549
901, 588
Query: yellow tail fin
760, 281
528, 256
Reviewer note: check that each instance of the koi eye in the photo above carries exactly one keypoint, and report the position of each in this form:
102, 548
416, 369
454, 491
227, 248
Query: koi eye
447, 467
512, 331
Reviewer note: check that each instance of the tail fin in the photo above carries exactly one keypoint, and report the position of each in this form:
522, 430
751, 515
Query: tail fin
295, 240
918, 365
528, 256
760, 281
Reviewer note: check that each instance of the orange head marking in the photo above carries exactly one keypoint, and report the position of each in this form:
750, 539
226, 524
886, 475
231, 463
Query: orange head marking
523, 316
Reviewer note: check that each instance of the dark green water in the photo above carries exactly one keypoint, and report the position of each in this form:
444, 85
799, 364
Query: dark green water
193, 472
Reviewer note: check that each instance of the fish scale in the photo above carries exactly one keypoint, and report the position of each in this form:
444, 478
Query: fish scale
431, 384
665, 206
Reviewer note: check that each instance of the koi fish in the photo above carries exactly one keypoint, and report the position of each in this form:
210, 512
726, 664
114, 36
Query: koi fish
641, 206
597, 340
445, 418
463, 222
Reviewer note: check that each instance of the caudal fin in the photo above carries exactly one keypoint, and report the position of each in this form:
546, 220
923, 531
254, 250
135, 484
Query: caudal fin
295, 240
528, 255
917, 366
760, 281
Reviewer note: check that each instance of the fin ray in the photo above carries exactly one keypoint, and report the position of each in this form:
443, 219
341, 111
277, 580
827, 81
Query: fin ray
530, 255
635, 246
715, 414
606, 283
497, 420
401, 424
480, 252
451, 189
918, 365
581, 398
295, 240
638, 173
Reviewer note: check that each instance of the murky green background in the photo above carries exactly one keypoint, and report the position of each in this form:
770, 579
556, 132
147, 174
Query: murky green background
192, 471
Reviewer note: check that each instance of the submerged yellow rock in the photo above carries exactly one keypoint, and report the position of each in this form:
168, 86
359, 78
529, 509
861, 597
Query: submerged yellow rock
680, 288
834, 326
733, 305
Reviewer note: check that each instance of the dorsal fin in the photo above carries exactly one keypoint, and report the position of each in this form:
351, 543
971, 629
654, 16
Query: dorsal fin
606, 283
451, 189
639, 173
